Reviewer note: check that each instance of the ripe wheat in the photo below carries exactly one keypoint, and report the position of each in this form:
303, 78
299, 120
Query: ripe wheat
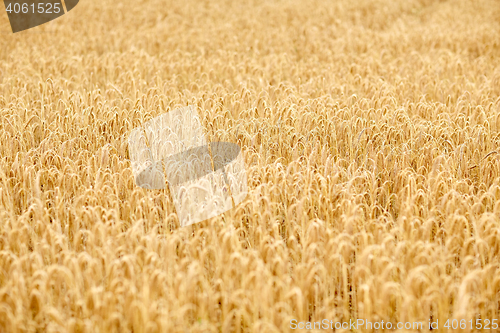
371, 134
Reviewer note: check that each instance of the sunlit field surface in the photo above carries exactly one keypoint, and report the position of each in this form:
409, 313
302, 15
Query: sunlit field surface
370, 130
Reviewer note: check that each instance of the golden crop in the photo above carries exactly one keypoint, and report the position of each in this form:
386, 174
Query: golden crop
371, 132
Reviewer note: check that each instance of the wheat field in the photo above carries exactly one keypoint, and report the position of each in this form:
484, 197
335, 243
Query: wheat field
370, 131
